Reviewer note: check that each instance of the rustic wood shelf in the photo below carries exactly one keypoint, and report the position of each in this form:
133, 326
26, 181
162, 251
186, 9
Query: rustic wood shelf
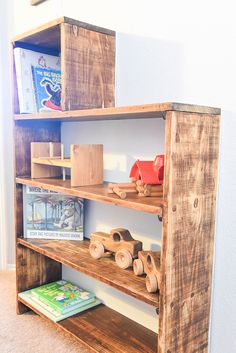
104, 327
76, 255
98, 193
117, 113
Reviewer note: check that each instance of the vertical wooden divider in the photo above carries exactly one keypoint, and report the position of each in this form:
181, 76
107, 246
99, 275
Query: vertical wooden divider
188, 231
88, 68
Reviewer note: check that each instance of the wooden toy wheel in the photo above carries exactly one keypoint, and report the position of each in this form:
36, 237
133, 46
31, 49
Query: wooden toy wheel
138, 267
123, 259
96, 249
151, 283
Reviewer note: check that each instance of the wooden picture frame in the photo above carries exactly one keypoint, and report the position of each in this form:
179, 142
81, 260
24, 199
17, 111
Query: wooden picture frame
36, 2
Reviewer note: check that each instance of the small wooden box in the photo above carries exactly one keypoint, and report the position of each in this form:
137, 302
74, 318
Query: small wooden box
85, 164
87, 61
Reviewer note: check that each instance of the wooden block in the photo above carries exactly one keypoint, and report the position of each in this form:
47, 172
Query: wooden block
44, 149
119, 192
86, 165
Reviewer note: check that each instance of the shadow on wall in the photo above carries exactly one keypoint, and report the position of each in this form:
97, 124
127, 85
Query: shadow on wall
148, 70
143, 226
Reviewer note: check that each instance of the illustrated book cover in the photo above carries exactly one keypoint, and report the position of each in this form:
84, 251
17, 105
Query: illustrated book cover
24, 60
62, 296
47, 88
49, 312
50, 215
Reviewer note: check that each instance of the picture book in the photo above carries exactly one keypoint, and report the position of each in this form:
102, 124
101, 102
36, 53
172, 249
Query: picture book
49, 313
62, 296
47, 88
24, 60
50, 215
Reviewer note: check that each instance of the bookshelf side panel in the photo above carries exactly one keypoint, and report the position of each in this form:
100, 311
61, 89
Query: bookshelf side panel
192, 142
88, 68
33, 270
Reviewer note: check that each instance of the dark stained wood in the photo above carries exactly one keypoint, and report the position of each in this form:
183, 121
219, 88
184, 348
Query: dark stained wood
38, 35
27, 132
98, 193
104, 330
188, 234
88, 67
146, 111
32, 270
76, 255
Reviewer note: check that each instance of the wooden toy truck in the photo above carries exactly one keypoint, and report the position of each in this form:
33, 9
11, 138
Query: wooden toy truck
118, 242
148, 262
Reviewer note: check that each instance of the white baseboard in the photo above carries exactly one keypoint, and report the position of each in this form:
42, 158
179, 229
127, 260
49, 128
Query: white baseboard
11, 267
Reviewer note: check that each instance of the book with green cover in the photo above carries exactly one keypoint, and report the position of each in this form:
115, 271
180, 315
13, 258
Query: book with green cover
49, 312
62, 296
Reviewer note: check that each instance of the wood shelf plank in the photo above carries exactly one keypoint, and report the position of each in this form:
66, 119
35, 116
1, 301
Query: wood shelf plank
116, 113
57, 162
105, 330
151, 205
76, 255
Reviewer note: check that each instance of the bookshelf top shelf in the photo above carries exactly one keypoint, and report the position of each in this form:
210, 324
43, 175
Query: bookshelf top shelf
48, 35
146, 111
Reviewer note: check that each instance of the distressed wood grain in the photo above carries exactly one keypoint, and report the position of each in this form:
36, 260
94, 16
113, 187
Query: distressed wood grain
76, 255
192, 142
88, 68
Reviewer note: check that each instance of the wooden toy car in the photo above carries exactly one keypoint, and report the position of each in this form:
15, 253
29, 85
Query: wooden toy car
120, 242
148, 262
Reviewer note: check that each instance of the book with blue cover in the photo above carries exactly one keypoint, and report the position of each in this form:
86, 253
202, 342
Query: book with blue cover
47, 88
24, 60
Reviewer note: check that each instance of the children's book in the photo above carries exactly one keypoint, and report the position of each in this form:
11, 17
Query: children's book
62, 296
24, 60
51, 314
47, 88
51, 215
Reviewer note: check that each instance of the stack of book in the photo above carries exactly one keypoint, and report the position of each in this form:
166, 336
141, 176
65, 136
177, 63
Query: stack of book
59, 300
38, 78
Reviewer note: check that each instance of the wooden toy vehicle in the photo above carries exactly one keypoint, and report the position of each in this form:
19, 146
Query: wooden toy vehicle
149, 172
120, 242
148, 262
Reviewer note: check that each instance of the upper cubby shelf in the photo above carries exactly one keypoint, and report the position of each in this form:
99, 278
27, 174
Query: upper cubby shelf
116, 113
87, 57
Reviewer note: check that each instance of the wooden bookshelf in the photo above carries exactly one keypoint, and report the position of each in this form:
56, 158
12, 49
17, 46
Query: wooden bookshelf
187, 207
75, 254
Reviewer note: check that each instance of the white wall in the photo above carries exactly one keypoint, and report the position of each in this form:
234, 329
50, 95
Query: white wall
181, 51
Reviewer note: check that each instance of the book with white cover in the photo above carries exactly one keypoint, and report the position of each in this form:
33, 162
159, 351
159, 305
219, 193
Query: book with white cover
24, 60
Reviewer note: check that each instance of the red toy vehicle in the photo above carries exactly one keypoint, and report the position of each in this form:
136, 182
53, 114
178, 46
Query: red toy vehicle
150, 172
